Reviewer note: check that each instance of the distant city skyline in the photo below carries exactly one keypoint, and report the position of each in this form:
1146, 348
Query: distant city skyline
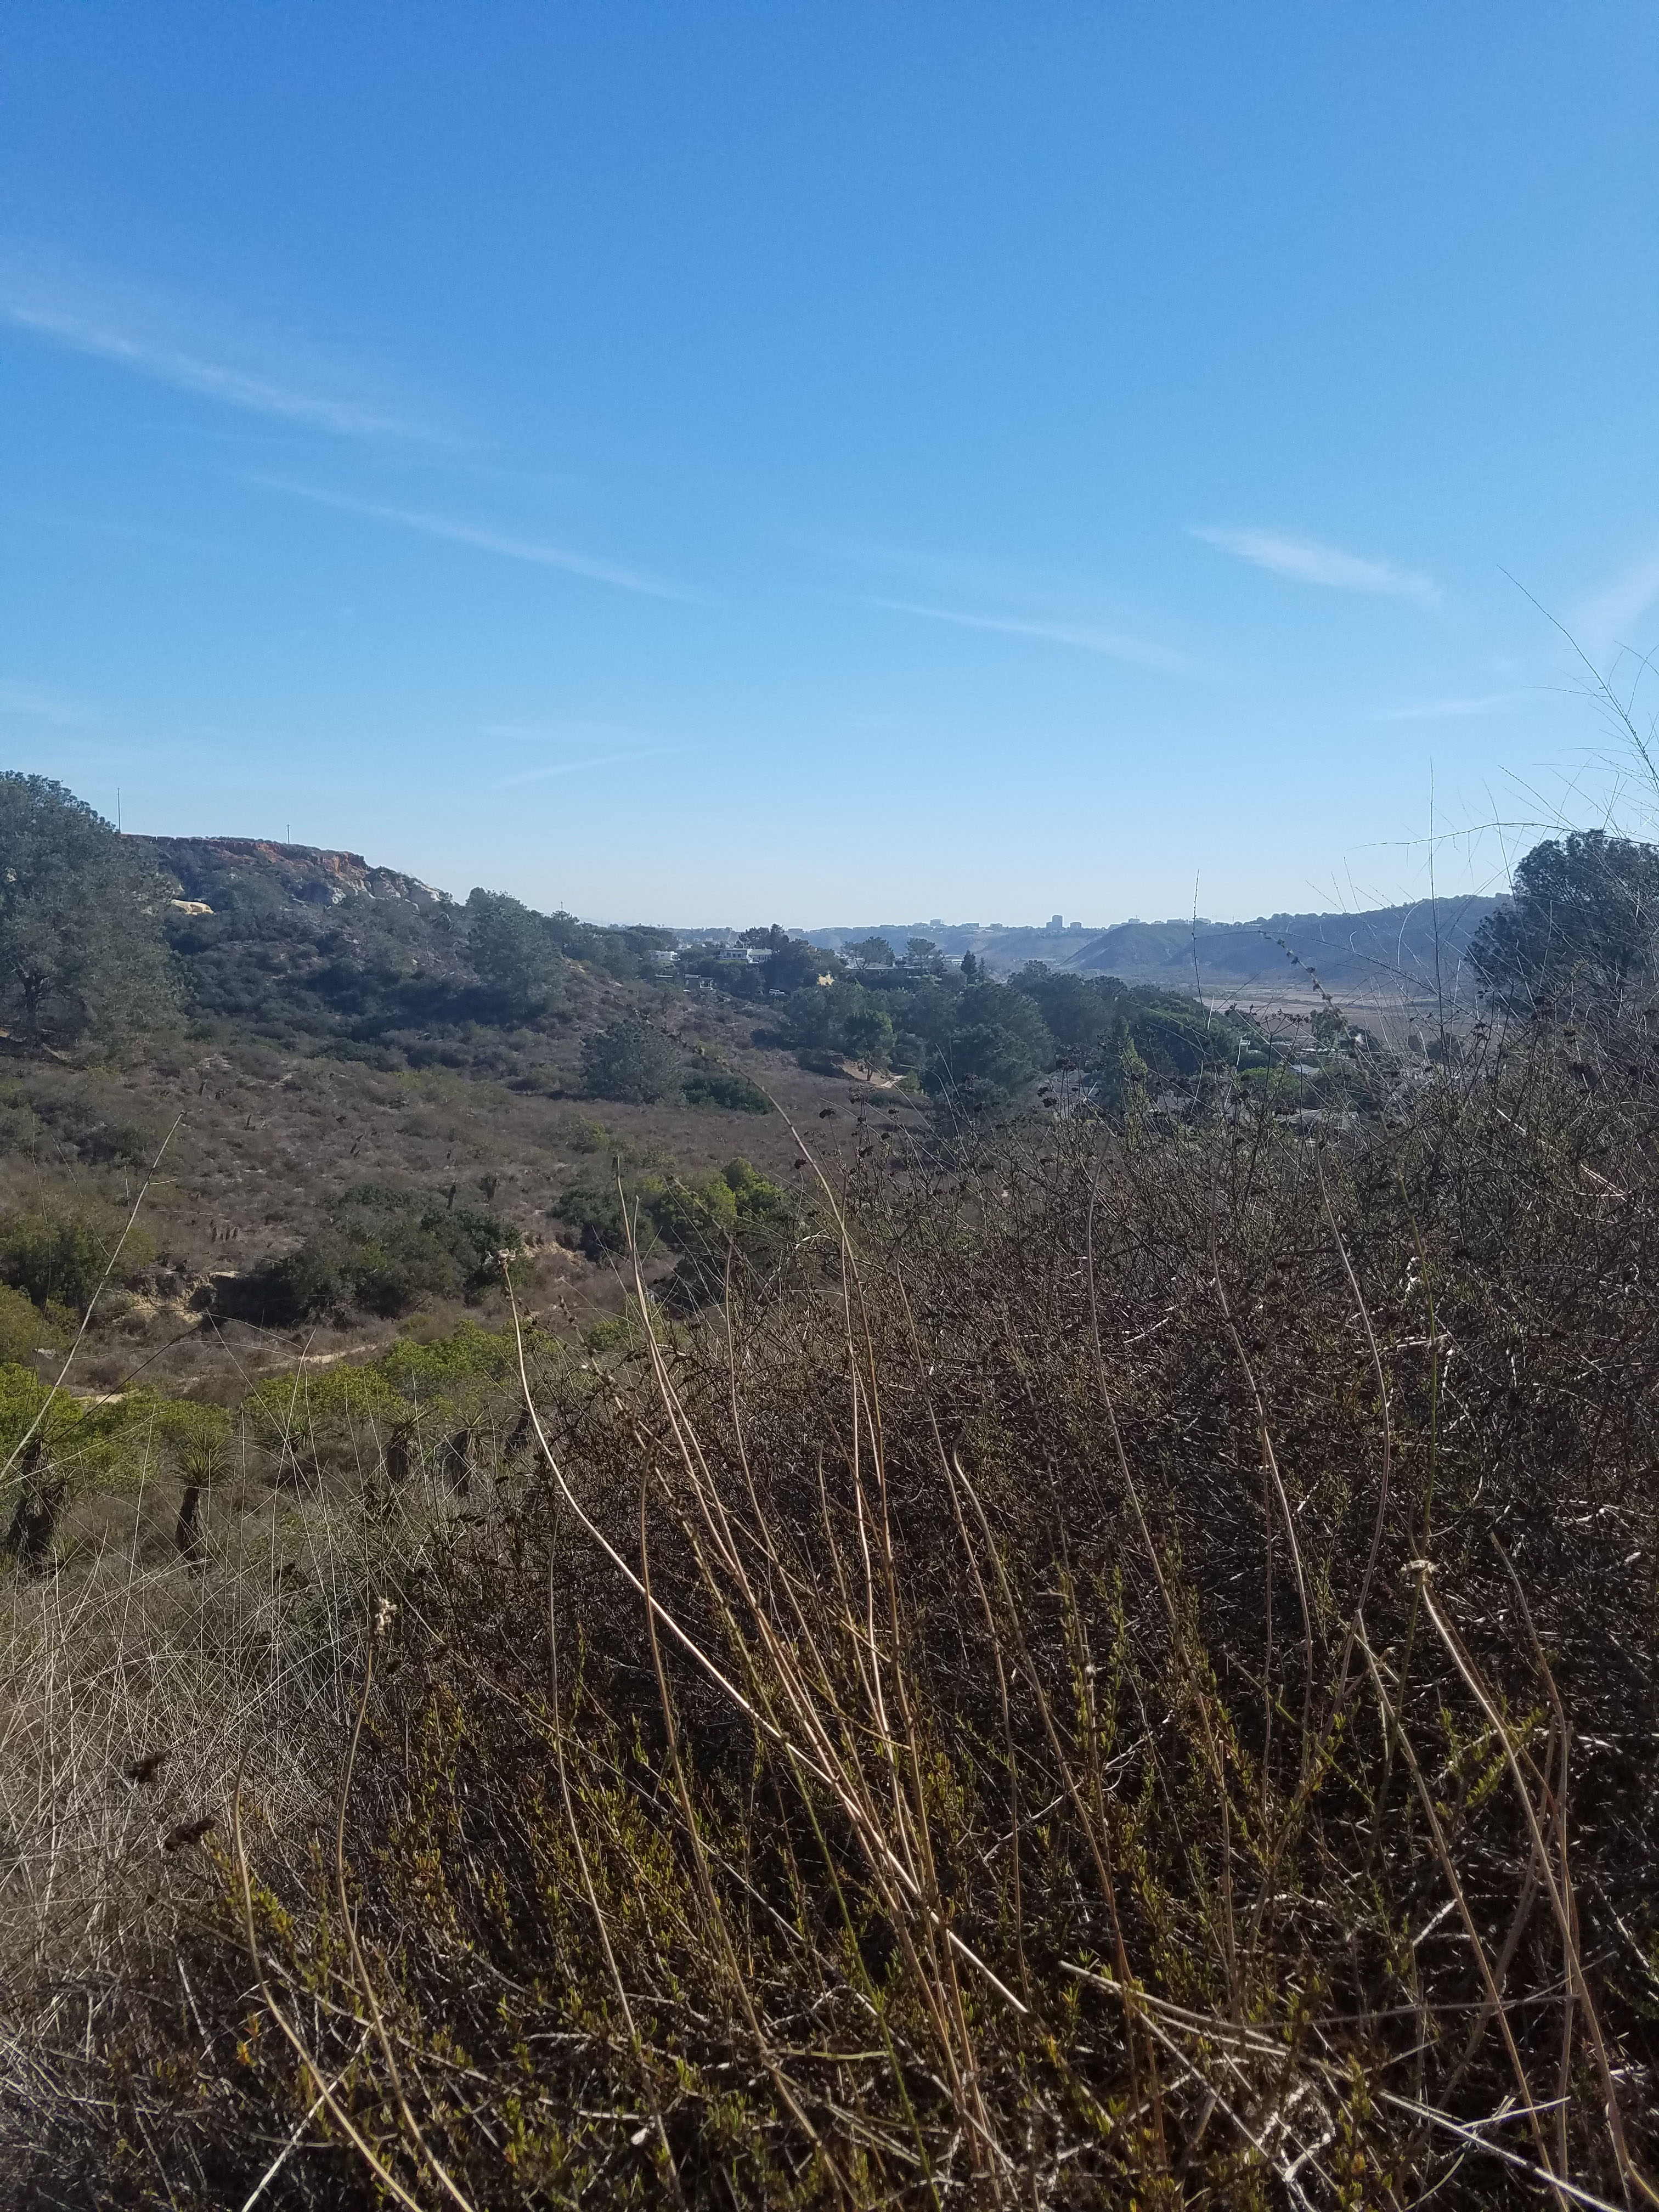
755, 459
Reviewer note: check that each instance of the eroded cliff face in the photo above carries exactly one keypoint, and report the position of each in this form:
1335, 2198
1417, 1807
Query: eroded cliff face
234, 871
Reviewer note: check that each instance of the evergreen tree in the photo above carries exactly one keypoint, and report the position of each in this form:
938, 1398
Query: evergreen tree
632, 1061
81, 951
513, 951
1580, 939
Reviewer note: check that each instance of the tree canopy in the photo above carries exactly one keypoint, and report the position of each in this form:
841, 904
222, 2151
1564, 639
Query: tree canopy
81, 946
1073, 1010
512, 951
1580, 939
982, 1043
632, 1061
868, 1035
872, 953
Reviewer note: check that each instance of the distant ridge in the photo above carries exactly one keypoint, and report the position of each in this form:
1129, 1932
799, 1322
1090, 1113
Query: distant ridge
1386, 952
1389, 950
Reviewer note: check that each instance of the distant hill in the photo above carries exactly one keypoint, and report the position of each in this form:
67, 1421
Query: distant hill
227, 873
310, 948
1387, 951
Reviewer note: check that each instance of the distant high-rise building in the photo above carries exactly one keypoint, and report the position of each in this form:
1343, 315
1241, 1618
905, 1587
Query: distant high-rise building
1057, 921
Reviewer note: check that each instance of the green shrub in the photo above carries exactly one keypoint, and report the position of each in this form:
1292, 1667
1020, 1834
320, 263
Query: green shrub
618, 1336
198, 1437
1279, 1089
400, 1265
306, 1281
631, 1060
58, 1255
734, 1094
23, 1395
818, 1060
735, 1212
595, 1212
447, 1380
22, 1327
583, 1134
385, 1252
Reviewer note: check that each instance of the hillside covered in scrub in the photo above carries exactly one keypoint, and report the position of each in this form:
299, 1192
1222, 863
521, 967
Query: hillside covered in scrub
355, 1092
1384, 955
1118, 1658
720, 1574
367, 1089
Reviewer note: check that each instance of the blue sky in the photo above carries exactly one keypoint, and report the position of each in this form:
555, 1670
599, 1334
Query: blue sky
818, 462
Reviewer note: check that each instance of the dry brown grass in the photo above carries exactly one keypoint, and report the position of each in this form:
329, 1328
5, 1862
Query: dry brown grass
1124, 1672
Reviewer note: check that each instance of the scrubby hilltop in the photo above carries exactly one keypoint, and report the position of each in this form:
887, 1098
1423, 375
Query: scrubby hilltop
365, 1089
236, 872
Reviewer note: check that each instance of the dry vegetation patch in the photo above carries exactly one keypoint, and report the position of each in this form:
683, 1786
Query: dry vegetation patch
1111, 1668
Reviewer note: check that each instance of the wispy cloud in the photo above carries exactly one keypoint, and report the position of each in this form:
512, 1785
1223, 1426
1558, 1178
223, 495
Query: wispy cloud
1009, 600
1607, 616
1439, 710
1309, 562
193, 349
580, 767
508, 545
1116, 645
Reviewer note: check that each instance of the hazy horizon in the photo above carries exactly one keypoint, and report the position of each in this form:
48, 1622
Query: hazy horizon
1071, 924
